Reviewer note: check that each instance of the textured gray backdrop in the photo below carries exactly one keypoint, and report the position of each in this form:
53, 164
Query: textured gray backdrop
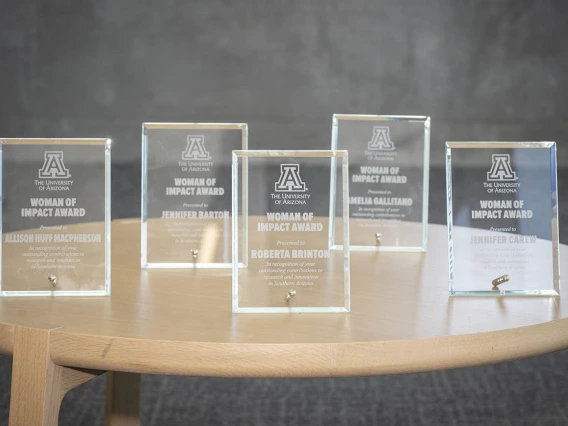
483, 70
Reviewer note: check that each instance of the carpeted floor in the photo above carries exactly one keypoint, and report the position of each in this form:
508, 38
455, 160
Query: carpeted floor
531, 392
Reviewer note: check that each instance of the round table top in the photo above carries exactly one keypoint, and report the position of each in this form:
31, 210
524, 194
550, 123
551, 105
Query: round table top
180, 321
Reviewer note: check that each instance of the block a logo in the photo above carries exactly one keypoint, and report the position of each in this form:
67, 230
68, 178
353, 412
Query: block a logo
381, 140
195, 149
53, 167
290, 180
501, 170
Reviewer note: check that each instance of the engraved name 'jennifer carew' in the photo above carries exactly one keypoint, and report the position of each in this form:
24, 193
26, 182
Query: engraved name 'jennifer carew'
193, 214
503, 239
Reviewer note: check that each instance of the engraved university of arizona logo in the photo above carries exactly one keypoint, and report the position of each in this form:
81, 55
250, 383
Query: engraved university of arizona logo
195, 149
381, 140
53, 167
501, 170
290, 180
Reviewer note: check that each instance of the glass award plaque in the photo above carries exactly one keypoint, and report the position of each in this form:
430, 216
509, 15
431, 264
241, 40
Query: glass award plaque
281, 219
388, 180
502, 218
55, 217
186, 193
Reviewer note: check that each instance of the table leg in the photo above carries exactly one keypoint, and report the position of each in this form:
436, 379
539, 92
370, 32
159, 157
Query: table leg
38, 385
123, 399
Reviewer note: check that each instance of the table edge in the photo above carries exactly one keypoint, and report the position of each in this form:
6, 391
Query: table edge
213, 359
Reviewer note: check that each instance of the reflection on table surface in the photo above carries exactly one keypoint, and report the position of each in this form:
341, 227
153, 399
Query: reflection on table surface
394, 296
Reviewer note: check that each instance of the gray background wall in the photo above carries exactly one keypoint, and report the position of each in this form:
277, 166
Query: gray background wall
487, 70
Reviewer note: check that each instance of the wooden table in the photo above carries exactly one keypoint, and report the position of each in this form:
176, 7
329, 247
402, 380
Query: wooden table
180, 322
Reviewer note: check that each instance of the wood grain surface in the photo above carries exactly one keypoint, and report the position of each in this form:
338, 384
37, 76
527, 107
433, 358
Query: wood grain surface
180, 322
39, 385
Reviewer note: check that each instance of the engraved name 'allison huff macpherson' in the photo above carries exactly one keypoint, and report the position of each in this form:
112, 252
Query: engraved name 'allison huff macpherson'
55, 246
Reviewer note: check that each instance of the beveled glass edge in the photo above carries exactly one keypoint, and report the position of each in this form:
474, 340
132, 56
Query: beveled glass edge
346, 236
200, 126
426, 184
369, 117
235, 233
54, 141
65, 293
498, 144
291, 310
144, 201
388, 249
425, 177
520, 293
555, 228
450, 218
144, 190
555, 241
1, 214
107, 268
187, 265
236, 264
108, 216
262, 153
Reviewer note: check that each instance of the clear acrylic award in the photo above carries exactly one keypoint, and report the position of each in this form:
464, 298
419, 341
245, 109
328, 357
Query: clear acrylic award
55, 217
388, 180
186, 193
282, 222
502, 218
